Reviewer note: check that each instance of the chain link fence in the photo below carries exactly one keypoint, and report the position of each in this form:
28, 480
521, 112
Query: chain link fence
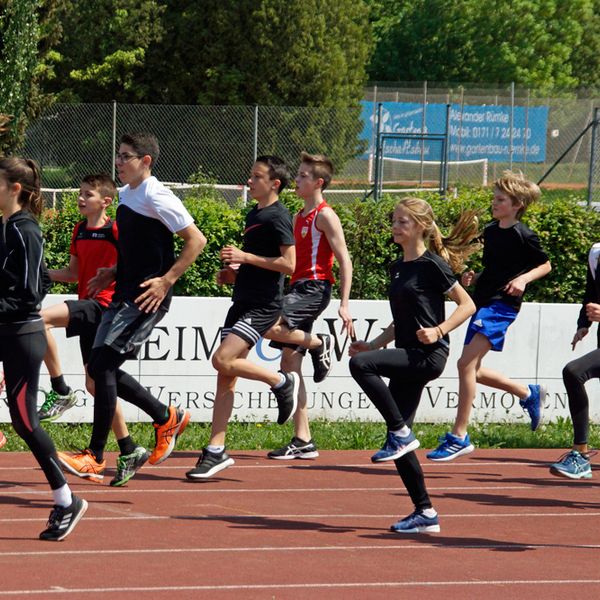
217, 144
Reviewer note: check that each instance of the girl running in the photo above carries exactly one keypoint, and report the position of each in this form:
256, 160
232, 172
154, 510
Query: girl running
24, 282
420, 280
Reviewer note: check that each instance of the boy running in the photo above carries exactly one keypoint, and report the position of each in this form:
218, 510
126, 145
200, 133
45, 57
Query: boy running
93, 247
512, 258
319, 237
268, 253
148, 216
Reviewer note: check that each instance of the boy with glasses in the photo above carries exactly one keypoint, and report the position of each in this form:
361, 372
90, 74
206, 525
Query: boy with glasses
148, 216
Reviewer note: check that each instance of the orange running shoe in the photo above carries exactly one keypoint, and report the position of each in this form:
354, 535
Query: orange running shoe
2, 439
166, 435
83, 464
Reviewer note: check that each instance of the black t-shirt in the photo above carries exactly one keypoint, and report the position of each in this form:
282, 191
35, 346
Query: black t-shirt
266, 230
417, 295
146, 250
507, 253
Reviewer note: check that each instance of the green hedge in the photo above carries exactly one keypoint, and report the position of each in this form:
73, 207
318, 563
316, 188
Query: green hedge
566, 229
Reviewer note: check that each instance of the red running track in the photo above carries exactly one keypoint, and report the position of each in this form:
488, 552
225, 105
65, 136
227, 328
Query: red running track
292, 529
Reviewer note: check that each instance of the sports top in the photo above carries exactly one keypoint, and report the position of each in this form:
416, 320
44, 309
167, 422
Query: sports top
314, 256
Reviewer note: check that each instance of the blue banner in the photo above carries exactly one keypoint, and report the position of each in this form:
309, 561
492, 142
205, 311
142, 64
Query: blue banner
475, 131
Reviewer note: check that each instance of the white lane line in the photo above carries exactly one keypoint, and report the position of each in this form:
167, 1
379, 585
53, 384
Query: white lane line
220, 516
196, 489
293, 586
266, 549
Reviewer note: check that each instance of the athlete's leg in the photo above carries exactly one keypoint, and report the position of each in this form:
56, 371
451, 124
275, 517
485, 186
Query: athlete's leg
291, 360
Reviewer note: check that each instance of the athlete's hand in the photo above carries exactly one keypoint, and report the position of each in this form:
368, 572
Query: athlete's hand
231, 255
579, 335
516, 287
151, 299
592, 311
226, 276
359, 346
466, 279
347, 324
428, 335
100, 281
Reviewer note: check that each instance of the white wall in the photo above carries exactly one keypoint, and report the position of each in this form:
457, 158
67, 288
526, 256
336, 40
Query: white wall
175, 365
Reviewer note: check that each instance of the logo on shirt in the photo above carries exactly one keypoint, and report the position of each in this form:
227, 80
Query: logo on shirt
304, 231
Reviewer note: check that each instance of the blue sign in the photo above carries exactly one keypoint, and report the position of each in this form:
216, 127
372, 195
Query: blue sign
475, 131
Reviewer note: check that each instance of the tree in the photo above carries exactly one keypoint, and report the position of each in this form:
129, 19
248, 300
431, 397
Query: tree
102, 54
18, 58
529, 42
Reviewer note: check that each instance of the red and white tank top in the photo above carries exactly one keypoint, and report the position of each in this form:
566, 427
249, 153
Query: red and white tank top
314, 256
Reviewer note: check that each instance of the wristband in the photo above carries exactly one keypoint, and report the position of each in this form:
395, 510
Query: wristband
439, 331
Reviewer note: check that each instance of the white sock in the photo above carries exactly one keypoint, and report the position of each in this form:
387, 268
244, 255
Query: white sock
62, 496
403, 432
215, 449
460, 437
282, 380
429, 512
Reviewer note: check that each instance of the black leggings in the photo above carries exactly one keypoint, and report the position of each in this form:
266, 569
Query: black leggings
575, 374
409, 370
111, 381
22, 356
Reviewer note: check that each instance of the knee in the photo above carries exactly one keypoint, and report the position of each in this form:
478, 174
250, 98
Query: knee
219, 362
570, 373
357, 365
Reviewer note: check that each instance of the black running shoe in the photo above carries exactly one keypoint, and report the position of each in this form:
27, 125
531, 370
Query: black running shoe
62, 520
128, 465
209, 464
287, 397
321, 358
297, 448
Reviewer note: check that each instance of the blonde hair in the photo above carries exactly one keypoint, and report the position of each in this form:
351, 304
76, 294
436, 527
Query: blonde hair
519, 189
454, 248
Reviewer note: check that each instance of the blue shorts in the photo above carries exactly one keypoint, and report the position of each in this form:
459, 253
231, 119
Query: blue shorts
492, 322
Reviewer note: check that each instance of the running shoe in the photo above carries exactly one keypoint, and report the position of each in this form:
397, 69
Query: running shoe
63, 519
55, 405
287, 397
297, 448
451, 447
166, 435
321, 358
209, 464
572, 465
83, 464
3, 440
128, 465
395, 446
534, 405
417, 522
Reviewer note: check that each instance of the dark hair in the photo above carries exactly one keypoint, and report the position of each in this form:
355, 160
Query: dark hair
277, 169
25, 172
143, 143
321, 165
103, 183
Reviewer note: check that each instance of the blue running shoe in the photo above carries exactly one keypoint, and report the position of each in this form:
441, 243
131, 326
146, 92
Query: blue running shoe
451, 447
534, 405
417, 522
395, 446
572, 465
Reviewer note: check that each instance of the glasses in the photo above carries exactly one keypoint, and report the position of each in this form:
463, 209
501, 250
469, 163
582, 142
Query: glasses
125, 156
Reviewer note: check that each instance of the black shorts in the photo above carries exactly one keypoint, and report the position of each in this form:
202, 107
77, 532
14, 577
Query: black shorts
124, 327
84, 319
249, 321
305, 301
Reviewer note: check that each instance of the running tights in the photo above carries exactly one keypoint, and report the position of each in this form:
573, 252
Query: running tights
575, 374
22, 356
408, 370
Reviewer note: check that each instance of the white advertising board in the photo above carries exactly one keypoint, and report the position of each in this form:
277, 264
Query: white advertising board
175, 365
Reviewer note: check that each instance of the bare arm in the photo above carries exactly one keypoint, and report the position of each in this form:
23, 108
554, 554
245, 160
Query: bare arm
286, 263
157, 287
383, 339
465, 307
517, 286
330, 225
68, 274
